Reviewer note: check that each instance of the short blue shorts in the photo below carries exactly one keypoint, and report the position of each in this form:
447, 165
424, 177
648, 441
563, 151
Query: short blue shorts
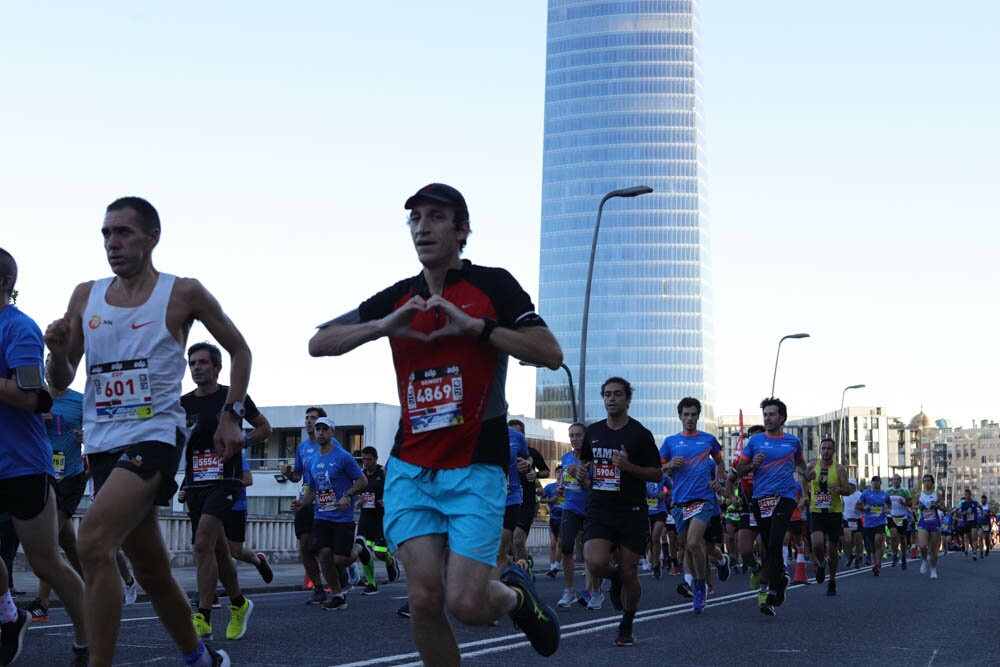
685, 512
930, 525
464, 504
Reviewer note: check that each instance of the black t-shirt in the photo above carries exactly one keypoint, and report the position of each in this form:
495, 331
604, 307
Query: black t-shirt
614, 489
528, 487
374, 492
203, 467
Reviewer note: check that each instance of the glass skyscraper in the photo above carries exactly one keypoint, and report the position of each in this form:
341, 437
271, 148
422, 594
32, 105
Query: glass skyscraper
623, 107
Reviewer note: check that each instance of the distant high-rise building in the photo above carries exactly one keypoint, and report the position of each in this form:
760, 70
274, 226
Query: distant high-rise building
623, 107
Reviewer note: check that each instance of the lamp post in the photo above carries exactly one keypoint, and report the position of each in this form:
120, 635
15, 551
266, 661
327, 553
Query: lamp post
627, 192
840, 428
569, 376
783, 338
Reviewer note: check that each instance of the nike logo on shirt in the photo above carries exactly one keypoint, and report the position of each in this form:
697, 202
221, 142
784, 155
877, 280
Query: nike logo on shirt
139, 326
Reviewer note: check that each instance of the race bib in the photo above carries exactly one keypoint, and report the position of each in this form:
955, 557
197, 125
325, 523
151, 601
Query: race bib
753, 520
652, 502
59, 463
572, 483
898, 520
607, 477
875, 510
121, 390
823, 500
852, 524
689, 510
326, 501
767, 505
367, 500
434, 398
206, 467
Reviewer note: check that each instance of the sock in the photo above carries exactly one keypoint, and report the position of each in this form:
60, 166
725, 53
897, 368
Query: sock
207, 613
369, 571
625, 626
344, 578
8, 610
238, 601
699, 585
195, 657
553, 566
688, 578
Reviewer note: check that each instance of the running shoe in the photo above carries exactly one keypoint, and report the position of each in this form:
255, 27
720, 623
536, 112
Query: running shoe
754, 580
710, 589
584, 598
201, 626
219, 658
536, 619
131, 592
553, 571
365, 556
699, 601
934, 573
723, 568
238, 617
12, 637
264, 568
616, 589
767, 609
821, 573
392, 569
39, 612
336, 602
404, 611
625, 639
857, 563
762, 598
567, 599
596, 601
685, 590
216, 603
675, 570
370, 589
657, 571
318, 597
780, 593
875, 570
923, 567
831, 588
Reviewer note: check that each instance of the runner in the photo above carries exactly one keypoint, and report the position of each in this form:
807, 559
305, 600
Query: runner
747, 535
212, 486
133, 328
929, 526
875, 503
822, 483
26, 473
304, 517
620, 455
235, 527
537, 469
970, 511
898, 525
985, 526
554, 495
688, 458
852, 541
451, 327
519, 457
332, 481
657, 509
773, 457
573, 516
370, 522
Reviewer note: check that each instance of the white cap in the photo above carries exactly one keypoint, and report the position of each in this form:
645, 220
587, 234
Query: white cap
853, 481
327, 422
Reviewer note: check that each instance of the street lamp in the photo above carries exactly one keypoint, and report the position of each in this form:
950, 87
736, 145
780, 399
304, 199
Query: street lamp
840, 428
627, 192
569, 376
775, 376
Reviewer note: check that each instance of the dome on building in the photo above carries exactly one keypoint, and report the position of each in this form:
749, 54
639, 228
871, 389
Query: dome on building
921, 420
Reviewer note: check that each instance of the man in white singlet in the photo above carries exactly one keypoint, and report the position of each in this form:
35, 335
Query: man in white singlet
133, 328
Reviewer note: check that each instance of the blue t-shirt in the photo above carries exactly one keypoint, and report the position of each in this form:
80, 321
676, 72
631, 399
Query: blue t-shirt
304, 453
700, 451
656, 504
946, 523
776, 475
66, 417
241, 503
552, 491
576, 495
24, 447
329, 477
875, 502
969, 509
518, 447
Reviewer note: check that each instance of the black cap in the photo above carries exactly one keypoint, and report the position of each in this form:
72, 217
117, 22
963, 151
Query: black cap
441, 193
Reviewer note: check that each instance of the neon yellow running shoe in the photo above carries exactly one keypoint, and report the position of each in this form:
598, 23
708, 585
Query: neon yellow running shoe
201, 626
238, 617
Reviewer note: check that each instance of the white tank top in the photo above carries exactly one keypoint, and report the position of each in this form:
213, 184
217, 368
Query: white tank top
134, 371
850, 503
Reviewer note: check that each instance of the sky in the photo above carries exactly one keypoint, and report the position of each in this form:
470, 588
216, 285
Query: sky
852, 153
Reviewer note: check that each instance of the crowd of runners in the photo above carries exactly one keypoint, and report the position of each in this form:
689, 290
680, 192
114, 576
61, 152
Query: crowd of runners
457, 497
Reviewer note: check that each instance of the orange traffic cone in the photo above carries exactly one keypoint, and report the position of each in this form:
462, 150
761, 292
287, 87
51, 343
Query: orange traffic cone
800, 568
913, 551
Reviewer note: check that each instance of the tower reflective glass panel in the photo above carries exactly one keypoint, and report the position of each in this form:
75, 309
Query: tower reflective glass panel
623, 107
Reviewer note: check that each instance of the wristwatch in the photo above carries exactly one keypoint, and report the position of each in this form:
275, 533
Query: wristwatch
489, 324
235, 408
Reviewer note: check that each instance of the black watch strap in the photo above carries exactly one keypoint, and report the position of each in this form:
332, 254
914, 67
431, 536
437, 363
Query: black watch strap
489, 325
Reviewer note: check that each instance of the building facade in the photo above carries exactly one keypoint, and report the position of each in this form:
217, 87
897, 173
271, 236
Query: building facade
623, 108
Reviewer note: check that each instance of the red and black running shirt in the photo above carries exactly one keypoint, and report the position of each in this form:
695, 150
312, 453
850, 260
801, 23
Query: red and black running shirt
451, 390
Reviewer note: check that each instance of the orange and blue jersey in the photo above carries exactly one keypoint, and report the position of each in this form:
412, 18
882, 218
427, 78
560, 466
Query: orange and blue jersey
702, 452
775, 475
